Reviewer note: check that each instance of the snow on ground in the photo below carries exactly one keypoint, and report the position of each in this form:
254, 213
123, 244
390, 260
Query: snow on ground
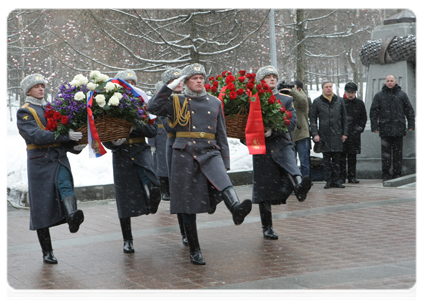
94, 171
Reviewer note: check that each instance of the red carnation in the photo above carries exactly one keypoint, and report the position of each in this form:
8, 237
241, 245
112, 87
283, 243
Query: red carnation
233, 95
289, 114
231, 87
213, 89
259, 87
241, 79
149, 121
218, 77
53, 125
230, 79
286, 121
250, 86
242, 72
282, 109
211, 78
279, 101
216, 83
207, 87
240, 91
260, 92
65, 120
224, 73
271, 100
57, 116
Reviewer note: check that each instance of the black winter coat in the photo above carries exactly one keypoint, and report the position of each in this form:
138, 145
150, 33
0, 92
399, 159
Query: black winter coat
333, 122
389, 109
357, 118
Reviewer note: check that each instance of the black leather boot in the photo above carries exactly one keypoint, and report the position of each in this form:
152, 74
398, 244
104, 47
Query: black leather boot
45, 242
182, 229
125, 225
194, 246
265, 209
301, 186
239, 210
74, 216
153, 195
164, 188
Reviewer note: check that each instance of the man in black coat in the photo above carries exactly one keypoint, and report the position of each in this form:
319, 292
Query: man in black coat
50, 182
389, 109
357, 118
332, 132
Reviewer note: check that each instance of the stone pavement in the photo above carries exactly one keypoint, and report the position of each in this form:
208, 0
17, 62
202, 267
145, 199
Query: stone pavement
360, 237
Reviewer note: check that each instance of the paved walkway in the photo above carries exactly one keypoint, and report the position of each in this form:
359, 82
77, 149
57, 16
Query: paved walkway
360, 237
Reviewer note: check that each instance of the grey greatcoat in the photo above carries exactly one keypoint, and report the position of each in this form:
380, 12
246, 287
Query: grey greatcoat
169, 143
43, 166
270, 183
159, 156
196, 162
333, 122
130, 196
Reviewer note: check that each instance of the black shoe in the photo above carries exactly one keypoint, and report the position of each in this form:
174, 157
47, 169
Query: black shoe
302, 188
328, 185
239, 210
154, 197
338, 185
49, 258
353, 180
128, 246
74, 216
269, 233
196, 257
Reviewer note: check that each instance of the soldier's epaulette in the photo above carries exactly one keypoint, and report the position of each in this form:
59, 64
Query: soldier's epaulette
25, 105
284, 95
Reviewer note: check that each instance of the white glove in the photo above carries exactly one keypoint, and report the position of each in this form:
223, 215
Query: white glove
153, 150
79, 147
268, 132
176, 82
75, 136
119, 142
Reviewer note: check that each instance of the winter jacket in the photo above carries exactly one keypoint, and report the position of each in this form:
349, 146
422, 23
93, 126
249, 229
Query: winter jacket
333, 122
300, 104
357, 118
389, 109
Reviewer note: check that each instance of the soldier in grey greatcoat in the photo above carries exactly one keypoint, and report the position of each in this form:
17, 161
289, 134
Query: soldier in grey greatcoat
276, 174
136, 184
200, 156
50, 184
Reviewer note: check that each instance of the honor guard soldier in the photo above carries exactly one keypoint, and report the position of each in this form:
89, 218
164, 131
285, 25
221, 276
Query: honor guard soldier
200, 156
136, 184
276, 174
50, 184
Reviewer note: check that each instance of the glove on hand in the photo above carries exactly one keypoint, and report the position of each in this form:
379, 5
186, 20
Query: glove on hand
176, 82
79, 147
153, 150
75, 136
119, 142
268, 132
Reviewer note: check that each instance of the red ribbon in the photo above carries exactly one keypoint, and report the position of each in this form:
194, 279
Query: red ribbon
254, 131
93, 129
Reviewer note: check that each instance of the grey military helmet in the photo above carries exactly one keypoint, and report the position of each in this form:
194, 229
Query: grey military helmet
192, 70
127, 75
29, 81
171, 74
266, 71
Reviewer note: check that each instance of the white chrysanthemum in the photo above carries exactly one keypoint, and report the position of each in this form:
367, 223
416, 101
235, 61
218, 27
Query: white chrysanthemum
94, 74
101, 100
118, 95
102, 78
81, 78
110, 86
75, 82
79, 96
91, 86
114, 101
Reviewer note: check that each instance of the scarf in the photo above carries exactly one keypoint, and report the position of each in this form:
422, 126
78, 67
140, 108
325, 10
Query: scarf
193, 94
35, 101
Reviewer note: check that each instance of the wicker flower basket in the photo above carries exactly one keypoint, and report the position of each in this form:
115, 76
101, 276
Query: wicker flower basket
108, 128
235, 125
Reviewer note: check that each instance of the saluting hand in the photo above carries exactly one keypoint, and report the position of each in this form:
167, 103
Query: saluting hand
176, 82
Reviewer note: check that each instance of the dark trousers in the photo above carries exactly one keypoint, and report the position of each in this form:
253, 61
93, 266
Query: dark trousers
64, 182
352, 162
331, 166
391, 151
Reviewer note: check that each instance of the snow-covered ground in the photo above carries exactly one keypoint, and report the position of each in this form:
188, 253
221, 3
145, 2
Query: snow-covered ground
92, 171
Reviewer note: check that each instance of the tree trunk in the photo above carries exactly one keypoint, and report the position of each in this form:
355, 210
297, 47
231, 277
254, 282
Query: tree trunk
301, 59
